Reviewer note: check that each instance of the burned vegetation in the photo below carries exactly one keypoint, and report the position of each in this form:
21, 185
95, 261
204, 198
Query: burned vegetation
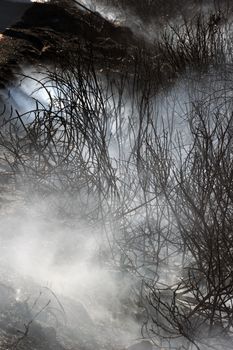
116, 173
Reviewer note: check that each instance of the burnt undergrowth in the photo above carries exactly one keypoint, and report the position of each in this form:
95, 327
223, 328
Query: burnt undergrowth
159, 183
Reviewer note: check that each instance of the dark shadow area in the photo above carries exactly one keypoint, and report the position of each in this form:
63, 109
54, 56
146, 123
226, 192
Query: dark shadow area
11, 11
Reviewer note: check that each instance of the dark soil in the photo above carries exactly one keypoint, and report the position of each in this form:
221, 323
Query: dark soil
51, 32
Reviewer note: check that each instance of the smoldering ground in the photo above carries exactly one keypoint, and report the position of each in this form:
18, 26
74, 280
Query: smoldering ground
45, 260
54, 251
95, 226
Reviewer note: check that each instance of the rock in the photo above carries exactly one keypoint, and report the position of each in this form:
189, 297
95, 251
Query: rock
142, 345
77, 314
52, 31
